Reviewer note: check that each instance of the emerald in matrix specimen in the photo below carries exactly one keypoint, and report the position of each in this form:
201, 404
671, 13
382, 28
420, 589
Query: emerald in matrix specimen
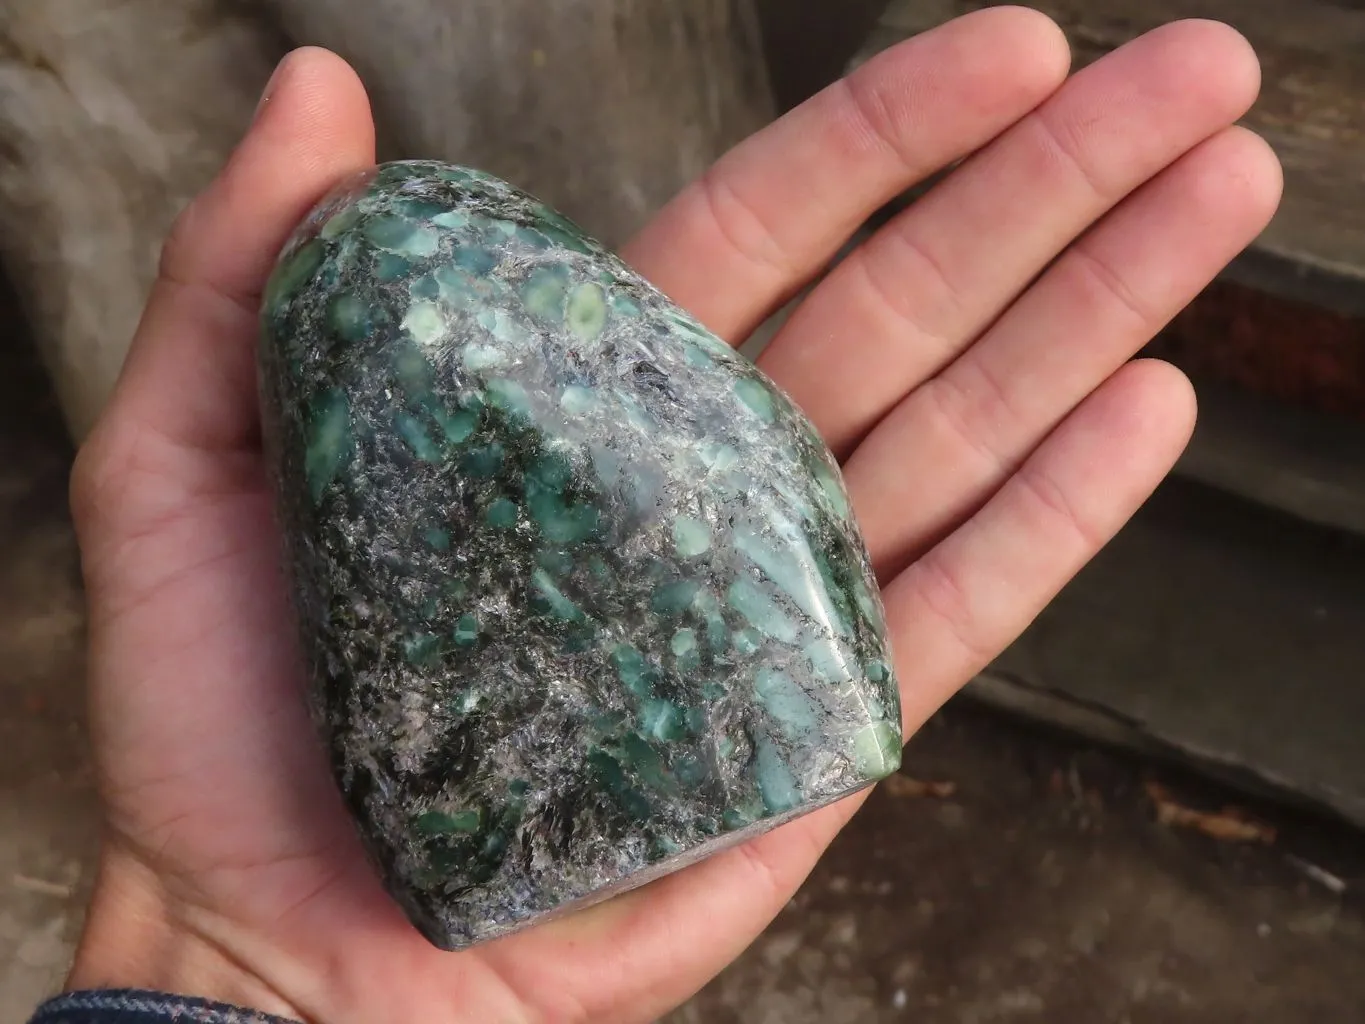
580, 593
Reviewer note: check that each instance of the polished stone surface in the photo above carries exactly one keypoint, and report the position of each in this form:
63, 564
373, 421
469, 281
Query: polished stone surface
580, 591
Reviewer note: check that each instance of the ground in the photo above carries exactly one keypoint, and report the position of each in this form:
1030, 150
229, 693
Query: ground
1041, 887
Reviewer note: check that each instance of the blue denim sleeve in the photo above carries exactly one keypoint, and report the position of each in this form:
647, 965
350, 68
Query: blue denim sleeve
134, 1006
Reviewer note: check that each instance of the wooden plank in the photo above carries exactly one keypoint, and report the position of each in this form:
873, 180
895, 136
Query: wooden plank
1215, 632
603, 109
1301, 463
1291, 352
1311, 109
1281, 402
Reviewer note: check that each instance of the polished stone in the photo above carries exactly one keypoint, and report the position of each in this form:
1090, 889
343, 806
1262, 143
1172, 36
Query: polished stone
580, 591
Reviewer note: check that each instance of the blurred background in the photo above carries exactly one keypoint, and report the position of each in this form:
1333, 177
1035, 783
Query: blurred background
1149, 810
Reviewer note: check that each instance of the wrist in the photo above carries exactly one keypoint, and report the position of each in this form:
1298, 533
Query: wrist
136, 937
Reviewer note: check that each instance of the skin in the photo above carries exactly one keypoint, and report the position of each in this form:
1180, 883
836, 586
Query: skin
970, 364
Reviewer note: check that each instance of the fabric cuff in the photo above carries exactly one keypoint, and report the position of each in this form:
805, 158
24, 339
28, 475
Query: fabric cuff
135, 1006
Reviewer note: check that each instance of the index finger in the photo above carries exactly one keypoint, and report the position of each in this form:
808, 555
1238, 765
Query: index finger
770, 214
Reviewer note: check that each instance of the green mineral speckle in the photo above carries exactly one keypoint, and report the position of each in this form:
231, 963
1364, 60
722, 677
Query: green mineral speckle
389, 266
456, 220
502, 513
425, 288
425, 322
786, 563
416, 437
775, 780
577, 399
466, 630
832, 488
349, 317
558, 604
421, 649
877, 749
544, 293
484, 461
509, 396
400, 235
562, 231
698, 358
757, 397
475, 260
587, 312
571, 525
340, 223
785, 701
748, 640
624, 305
456, 426
329, 442
829, 660
691, 537
662, 720
762, 612
634, 671
684, 647
672, 598
293, 273
413, 372
439, 823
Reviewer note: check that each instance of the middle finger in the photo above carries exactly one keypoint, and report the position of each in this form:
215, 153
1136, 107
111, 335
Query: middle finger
913, 297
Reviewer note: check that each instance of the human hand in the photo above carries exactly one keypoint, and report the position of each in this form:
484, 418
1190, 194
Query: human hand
968, 364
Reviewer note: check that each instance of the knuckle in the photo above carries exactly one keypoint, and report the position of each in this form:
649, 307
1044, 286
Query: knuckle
739, 224
1057, 509
943, 595
874, 119
1099, 275
958, 406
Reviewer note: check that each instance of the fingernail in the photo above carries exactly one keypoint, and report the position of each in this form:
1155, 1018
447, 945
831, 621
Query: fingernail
270, 87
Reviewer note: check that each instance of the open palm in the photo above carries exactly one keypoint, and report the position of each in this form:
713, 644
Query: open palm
969, 364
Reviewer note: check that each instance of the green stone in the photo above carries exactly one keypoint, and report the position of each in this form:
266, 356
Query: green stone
580, 589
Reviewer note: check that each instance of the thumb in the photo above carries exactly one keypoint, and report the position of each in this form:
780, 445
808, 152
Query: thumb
186, 397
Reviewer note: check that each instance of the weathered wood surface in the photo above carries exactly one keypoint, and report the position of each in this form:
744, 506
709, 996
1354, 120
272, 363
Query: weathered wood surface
1281, 402
1305, 464
1223, 635
113, 113
1312, 110
604, 109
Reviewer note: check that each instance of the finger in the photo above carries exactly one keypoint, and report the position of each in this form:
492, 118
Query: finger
956, 439
774, 210
189, 378
959, 606
909, 300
